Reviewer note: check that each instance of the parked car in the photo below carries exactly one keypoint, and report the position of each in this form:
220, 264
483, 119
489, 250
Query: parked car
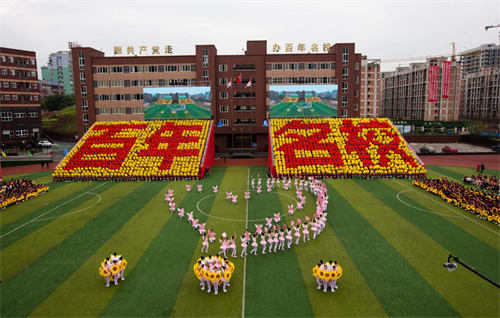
449, 149
44, 143
426, 149
496, 148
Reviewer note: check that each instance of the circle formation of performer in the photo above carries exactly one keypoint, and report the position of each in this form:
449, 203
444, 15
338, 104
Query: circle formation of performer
327, 275
112, 268
213, 271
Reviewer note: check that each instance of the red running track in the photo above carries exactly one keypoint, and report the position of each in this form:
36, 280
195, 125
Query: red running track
491, 161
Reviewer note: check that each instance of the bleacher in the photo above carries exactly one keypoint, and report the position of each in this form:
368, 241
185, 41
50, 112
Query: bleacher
141, 150
340, 148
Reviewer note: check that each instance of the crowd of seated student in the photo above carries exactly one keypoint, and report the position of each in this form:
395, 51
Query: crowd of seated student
482, 181
15, 191
484, 204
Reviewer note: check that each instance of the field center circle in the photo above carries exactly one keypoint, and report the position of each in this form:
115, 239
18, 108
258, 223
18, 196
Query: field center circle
237, 220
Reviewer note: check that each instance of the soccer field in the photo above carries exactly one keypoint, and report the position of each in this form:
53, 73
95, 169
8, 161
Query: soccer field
390, 238
300, 109
171, 111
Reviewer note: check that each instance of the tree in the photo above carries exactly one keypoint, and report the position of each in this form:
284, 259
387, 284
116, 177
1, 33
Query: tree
57, 102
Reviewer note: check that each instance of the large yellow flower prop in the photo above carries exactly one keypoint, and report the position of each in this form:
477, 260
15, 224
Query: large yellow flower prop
326, 274
341, 147
137, 149
214, 273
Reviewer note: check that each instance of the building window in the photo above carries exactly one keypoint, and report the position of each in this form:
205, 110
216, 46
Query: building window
344, 112
85, 118
222, 67
82, 77
33, 115
13, 85
356, 79
22, 133
205, 58
4, 72
119, 83
81, 60
356, 107
223, 109
205, 75
150, 69
277, 66
356, 93
33, 74
244, 121
11, 59
118, 111
356, 66
6, 116
225, 122
3, 59
7, 97
14, 97
84, 91
345, 73
6, 84
13, 73
223, 95
311, 66
19, 115
344, 101
171, 68
35, 98
291, 66
102, 69
85, 105
244, 108
32, 61
117, 69
324, 66
344, 87
222, 81
345, 55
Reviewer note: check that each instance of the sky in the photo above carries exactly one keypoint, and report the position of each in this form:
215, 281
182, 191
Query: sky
381, 29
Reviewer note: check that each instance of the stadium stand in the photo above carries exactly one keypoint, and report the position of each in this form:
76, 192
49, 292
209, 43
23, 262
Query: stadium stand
340, 148
140, 150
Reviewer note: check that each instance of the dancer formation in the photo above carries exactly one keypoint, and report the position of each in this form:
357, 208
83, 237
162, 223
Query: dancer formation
112, 268
327, 274
213, 271
273, 235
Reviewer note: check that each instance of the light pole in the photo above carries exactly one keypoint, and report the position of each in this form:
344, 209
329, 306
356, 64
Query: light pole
451, 266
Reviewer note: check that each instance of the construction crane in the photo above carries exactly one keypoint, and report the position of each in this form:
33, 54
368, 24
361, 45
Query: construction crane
486, 28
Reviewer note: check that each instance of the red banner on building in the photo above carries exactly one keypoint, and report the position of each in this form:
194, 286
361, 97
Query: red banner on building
445, 81
433, 83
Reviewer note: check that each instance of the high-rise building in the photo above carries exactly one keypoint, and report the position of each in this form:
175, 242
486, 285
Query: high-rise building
59, 70
481, 83
111, 88
424, 91
481, 94
370, 88
19, 97
486, 55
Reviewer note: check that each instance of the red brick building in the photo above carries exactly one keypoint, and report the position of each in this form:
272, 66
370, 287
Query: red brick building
20, 118
110, 88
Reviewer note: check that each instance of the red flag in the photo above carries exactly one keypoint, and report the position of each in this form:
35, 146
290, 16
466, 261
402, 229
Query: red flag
445, 82
238, 79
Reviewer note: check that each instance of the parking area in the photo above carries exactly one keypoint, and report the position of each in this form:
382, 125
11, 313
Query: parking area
461, 147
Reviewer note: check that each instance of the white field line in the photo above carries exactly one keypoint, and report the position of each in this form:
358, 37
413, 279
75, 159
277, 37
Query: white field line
99, 198
245, 259
53, 209
449, 208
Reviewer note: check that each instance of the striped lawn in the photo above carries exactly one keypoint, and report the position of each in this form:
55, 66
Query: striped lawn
54, 267
390, 237
400, 289
153, 285
83, 287
353, 289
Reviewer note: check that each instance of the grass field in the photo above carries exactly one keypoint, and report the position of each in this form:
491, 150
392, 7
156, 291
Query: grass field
390, 238
318, 109
169, 112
